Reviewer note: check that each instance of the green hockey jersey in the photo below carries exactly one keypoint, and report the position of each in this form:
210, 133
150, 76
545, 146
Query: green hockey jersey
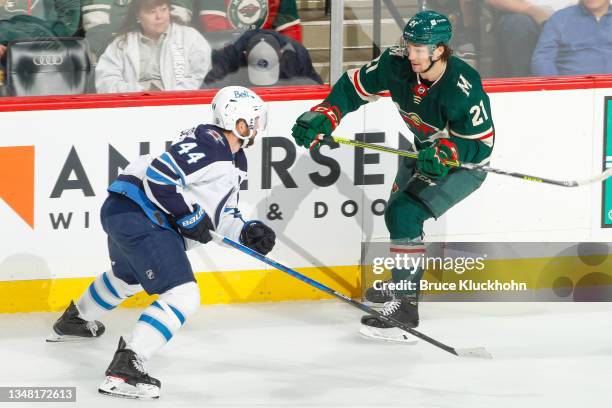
455, 102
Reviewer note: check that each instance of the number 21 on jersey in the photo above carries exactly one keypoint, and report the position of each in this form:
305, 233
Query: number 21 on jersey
479, 114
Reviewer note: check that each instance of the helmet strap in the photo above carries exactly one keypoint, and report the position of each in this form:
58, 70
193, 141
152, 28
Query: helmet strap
245, 139
431, 60
431, 64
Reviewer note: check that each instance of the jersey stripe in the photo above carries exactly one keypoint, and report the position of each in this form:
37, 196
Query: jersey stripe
96, 7
213, 13
486, 137
353, 75
483, 135
158, 178
287, 25
93, 18
167, 159
165, 170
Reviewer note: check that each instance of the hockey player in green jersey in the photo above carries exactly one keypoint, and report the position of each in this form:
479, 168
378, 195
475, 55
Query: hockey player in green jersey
442, 101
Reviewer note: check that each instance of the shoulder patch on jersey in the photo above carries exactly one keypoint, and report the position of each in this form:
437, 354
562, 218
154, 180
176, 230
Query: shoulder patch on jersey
464, 85
216, 135
213, 141
211, 132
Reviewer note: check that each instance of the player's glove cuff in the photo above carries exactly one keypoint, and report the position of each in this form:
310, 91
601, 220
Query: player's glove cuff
448, 150
321, 119
196, 225
331, 112
431, 160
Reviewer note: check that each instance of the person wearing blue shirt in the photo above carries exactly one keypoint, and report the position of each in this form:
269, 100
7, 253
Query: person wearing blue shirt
576, 40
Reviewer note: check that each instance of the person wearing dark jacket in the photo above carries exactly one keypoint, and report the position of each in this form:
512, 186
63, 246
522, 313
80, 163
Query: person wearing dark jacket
262, 58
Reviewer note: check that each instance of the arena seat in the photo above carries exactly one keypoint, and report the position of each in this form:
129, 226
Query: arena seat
49, 66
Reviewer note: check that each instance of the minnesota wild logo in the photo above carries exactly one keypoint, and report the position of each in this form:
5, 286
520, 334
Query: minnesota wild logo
421, 129
247, 14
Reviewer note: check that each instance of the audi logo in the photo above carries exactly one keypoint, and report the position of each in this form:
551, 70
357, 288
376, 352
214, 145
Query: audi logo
48, 60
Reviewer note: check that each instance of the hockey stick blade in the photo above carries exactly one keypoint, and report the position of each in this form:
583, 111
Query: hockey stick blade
600, 177
476, 352
393, 322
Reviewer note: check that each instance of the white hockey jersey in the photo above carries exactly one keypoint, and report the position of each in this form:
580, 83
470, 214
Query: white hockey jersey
198, 169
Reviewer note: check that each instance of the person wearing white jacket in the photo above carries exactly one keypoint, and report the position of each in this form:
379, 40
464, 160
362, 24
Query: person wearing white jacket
152, 53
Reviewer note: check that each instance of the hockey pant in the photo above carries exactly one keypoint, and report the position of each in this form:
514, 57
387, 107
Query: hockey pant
415, 198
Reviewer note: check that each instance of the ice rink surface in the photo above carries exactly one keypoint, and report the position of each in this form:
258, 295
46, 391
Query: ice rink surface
308, 354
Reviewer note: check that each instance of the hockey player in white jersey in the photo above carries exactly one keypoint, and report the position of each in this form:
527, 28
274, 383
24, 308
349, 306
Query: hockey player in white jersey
156, 209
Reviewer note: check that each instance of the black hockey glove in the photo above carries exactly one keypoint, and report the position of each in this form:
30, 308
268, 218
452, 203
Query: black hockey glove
196, 226
258, 236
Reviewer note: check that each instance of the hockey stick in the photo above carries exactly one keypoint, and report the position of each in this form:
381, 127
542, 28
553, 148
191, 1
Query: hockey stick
470, 166
478, 352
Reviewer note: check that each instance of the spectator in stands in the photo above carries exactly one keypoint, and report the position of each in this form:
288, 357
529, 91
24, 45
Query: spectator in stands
576, 40
262, 58
518, 25
465, 15
241, 15
152, 53
103, 18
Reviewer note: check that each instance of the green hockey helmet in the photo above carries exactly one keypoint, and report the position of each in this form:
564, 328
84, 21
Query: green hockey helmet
428, 28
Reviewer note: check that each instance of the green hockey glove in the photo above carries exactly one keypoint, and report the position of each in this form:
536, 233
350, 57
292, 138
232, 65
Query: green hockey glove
431, 159
321, 119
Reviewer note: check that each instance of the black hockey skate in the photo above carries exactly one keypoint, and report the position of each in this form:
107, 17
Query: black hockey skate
405, 310
380, 296
126, 377
70, 327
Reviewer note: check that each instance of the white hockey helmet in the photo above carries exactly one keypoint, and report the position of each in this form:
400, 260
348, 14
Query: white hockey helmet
234, 103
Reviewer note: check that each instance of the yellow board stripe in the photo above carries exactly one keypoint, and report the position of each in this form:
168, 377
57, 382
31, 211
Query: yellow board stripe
47, 295
271, 285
